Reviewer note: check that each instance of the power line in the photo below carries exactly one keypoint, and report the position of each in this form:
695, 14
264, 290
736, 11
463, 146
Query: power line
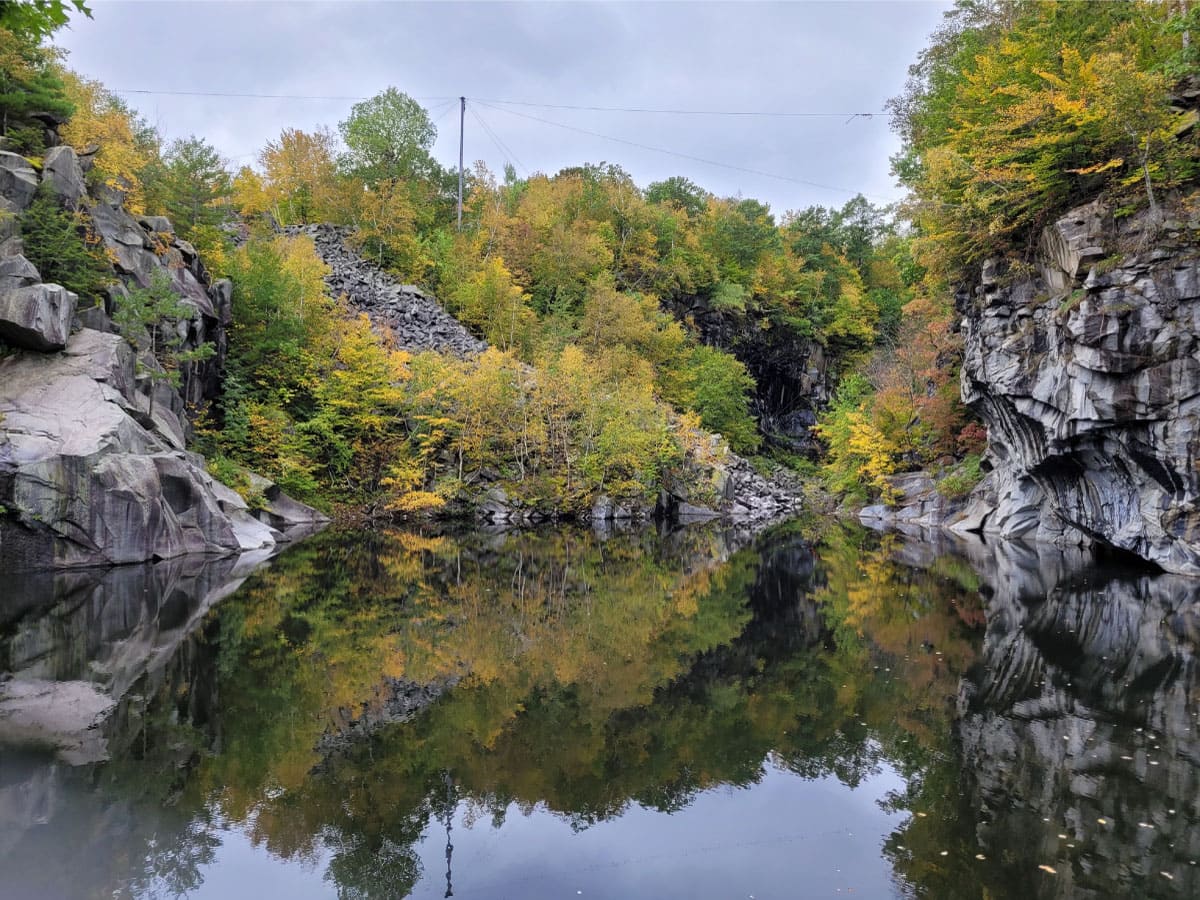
688, 156
690, 112
566, 106
251, 96
504, 149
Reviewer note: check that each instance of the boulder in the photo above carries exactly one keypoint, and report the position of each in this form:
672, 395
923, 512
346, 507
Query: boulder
18, 181
61, 172
36, 316
158, 224
86, 478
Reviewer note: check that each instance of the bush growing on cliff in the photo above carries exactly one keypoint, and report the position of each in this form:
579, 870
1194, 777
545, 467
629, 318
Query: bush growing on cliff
63, 248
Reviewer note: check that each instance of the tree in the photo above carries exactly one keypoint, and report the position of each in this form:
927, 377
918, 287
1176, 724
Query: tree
60, 244
718, 387
388, 137
29, 85
101, 119
679, 192
193, 185
300, 175
36, 20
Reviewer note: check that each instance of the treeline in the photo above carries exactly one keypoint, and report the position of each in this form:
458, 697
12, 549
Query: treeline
590, 386
1015, 111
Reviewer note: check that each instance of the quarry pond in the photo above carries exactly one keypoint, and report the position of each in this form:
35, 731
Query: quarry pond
695, 713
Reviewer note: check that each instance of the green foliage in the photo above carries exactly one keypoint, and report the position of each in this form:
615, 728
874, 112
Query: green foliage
858, 460
961, 480
192, 187
1019, 110
35, 20
29, 84
60, 244
388, 137
718, 387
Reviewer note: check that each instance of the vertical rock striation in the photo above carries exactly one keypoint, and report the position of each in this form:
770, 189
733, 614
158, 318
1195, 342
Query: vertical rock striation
1086, 370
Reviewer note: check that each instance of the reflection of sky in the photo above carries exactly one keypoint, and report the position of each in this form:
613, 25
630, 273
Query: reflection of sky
243, 870
785, 837
782, 838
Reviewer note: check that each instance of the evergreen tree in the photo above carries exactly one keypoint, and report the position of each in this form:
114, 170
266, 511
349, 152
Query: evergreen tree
60, 244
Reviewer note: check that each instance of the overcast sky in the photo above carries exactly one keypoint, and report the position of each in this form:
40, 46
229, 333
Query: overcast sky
842, 58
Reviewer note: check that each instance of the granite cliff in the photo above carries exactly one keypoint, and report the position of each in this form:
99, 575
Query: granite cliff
94, 465
1085, 367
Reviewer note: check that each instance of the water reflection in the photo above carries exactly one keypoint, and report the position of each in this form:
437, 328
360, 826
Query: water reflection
1078, 730
370, 706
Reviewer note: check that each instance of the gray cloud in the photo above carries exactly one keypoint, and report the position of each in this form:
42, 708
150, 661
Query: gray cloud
792, 57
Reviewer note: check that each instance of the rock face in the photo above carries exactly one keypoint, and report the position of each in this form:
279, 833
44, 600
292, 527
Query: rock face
920, 505
93, 462
415, 319
790, 371
88, 476
1087, 374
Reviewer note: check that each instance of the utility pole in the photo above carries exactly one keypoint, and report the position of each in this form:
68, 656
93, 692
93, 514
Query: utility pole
462, 118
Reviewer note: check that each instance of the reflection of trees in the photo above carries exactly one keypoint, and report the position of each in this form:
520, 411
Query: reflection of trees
595, 674
587, 675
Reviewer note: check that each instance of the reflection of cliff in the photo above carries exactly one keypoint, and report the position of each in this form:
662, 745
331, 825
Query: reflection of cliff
73, 643
1078, 731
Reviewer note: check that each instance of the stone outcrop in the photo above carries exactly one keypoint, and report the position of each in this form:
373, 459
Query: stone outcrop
94, 468
89, 476
1086, 371
790, 371
919, 504
414, 319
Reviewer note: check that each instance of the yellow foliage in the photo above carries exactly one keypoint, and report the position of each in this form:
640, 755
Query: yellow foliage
102, 120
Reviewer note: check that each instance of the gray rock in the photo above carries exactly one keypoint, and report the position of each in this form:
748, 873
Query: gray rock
919, 504
37, 316
602, 508
158, 224
1092, 398
414, 319
18, 180
62, 173
87, 478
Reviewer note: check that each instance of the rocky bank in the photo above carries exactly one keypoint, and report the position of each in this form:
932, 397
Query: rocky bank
94, 466
1085, 367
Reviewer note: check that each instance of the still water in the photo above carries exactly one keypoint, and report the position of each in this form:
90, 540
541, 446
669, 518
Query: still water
565, 715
